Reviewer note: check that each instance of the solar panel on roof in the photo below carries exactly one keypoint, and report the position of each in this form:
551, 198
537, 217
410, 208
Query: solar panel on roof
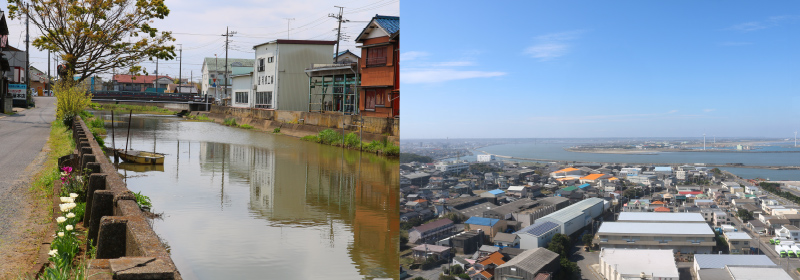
538, 229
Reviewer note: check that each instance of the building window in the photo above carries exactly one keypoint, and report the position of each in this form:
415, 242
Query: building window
369, 99
241, 97
376, 56
260, 64
270, 59
263, 100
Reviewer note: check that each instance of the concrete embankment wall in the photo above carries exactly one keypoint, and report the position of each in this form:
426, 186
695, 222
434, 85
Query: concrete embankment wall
171, 106
299, 124
127, 247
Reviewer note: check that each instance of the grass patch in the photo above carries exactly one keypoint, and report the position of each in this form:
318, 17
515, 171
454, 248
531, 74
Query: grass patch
351, 140
229, 122
246, 126
199, 117
136, 109
60, 144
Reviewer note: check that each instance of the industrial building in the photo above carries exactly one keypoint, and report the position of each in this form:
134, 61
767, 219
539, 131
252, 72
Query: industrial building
652, 217
576, 216
619, 264
537, 235
681, 237
730, 267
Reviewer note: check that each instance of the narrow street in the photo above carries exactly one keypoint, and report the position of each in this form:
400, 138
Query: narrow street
22, 137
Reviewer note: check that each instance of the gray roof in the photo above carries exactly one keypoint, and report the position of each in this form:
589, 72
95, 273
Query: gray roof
660, 217
705, 261
505, 237
738, 235
532, 260
416, 175
714, 274
477, 210
656, 228
570, 212
218, 64
514, 207
757, 273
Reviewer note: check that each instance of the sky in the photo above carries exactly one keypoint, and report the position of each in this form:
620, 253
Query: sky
198, 25
528, 69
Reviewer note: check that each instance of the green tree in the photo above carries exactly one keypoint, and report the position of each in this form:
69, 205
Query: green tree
569, 270
587, 240
456, 269
744, 215
95, 36
560, 244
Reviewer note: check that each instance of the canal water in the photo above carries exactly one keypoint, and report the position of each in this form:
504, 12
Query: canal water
240, 204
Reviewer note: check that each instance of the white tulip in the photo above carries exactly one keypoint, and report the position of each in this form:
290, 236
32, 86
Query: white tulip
61, 220
69, 227
70, 215
73, 195
53, 252
60, 234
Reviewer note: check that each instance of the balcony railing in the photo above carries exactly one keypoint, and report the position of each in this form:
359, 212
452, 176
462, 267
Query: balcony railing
376, 61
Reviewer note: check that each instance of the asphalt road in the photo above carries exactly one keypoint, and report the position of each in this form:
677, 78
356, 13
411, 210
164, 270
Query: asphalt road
22, 137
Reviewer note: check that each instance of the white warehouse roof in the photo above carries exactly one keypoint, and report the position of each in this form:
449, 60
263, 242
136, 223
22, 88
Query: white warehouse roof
660, 217
706, 261
659, 263
656, 228
574, 210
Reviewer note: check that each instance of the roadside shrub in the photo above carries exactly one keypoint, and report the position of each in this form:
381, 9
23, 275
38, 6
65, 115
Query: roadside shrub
312, 138
71, 100
276, 130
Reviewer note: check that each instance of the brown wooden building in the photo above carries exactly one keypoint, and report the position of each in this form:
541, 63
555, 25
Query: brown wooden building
379, 93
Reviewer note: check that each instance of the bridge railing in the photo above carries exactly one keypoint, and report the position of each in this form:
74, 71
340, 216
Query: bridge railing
140, 95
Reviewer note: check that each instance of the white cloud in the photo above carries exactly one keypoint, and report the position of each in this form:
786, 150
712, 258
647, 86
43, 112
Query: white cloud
551, 46
748, 26
673, 112
426, 76
709, 110
412, 55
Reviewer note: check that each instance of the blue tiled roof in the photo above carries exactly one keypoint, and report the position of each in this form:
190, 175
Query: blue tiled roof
537, 229
583, 186
390, 23
496, 191
481, 221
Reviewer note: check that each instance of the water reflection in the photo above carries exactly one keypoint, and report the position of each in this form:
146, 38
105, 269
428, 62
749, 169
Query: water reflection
282, 207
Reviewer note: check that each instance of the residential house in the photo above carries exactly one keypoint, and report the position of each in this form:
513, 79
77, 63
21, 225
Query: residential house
506, 240
738, 242
431, 231
242, 82
345, 57
528, 264
140, 82
421, 252
483, 269
379, 94
465, 242
214, 83
279, 72
487, 225
788, 232
517, 191
39, 81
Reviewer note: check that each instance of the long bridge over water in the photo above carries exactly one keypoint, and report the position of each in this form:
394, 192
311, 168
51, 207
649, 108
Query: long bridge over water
179, 101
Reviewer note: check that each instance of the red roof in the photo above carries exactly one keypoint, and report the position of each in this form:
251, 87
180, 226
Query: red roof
662, 209
140, 79
432, 225
690, 192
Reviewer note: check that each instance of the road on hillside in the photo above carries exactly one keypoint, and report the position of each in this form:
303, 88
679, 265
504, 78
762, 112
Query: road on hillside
22, 137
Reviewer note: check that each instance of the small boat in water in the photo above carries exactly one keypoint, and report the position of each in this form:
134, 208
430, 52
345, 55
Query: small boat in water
136, 156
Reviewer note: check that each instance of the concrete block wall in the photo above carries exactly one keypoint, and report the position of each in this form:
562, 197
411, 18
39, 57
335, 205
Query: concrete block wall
127, 247
381, 126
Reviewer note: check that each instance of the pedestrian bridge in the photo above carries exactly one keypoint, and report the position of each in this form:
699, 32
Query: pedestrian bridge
179, 101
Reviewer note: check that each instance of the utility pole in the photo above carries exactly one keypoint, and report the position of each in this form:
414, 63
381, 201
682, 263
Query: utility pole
27, 59
227, 35
288, 30
180, 65
47, 86
156, 74
338, 32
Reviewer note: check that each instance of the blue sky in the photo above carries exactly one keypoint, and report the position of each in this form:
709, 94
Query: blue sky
470, 69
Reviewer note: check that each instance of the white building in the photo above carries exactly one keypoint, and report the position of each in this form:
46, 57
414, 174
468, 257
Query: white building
654, 217
576, 216
279, 78
681, 237
537, 235
716, 266
213, 83
485, 158
242, 80
619, 264
452, 166
788, 232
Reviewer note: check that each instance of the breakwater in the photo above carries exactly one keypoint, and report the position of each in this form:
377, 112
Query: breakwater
127, 247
